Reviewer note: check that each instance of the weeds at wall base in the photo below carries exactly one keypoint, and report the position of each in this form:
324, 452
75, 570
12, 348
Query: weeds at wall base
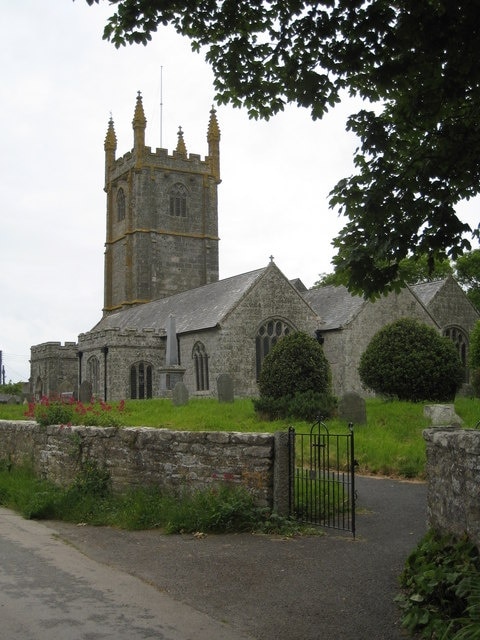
89, 499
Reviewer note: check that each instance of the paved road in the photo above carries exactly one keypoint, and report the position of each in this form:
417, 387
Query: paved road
49, 590
269, 588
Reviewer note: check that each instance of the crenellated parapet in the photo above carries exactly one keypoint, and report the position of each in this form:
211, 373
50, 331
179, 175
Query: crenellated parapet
53, 349
162, 212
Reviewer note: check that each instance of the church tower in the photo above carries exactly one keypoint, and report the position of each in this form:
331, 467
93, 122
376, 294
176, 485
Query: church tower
162, 217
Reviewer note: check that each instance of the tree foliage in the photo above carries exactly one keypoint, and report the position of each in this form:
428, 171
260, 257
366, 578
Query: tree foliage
295, 364
467, 272
415, 65
295, 379
474, 358
411, 361
413, 270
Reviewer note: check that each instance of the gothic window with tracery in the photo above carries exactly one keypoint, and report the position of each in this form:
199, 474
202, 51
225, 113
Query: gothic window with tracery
141, 381
120, 205
178, 200
460, 340
267, 336
200, 360
93, 374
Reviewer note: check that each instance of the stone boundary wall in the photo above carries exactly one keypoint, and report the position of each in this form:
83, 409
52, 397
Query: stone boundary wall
144, 456
453, 475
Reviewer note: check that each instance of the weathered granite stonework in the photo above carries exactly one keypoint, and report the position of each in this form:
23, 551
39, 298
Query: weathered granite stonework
453, 474
162, 263
143, 456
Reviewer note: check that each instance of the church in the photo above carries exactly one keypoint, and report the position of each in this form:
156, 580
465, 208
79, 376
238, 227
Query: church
168, 318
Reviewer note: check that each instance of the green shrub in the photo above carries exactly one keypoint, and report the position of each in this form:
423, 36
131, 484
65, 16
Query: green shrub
474, 358
441, 588
295, 364
57, 411
307, 406
295, 380
474, 353
311, 405
47, 412
411, 361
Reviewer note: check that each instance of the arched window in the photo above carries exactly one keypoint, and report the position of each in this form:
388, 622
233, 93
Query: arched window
120, 205
93, 375
178, 200
460, 340
200, 360
267, 336
140, 381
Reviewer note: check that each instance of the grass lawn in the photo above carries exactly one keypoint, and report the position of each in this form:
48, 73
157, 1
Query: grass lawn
391, 442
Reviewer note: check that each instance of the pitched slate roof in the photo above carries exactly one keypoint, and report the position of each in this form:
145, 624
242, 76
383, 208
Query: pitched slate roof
336, 306
201, 308
426, 291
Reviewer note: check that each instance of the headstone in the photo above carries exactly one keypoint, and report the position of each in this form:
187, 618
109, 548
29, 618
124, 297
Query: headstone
442, 415
85, 394
225, 389
352, 408
466, 391
180, 394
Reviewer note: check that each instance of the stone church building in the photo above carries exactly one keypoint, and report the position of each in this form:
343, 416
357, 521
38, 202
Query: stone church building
167, 316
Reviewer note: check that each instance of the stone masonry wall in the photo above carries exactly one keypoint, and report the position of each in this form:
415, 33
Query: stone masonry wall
143, 456
453, 473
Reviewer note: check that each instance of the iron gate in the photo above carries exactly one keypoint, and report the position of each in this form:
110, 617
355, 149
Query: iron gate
322, 477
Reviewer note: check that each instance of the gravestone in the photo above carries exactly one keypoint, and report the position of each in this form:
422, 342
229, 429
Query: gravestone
225, 388
352, 408
442, 415
85, 394
180, 394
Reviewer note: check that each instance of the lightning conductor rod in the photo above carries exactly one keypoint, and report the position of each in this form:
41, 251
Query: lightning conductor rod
161, 107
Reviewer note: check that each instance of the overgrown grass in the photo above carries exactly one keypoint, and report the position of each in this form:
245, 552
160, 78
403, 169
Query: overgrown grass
90, 500
391, 442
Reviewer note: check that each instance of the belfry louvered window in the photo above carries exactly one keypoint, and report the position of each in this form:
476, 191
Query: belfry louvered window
178, 200
120, 204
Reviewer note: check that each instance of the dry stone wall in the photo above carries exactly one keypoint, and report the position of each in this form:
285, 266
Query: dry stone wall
453, 474
170, 460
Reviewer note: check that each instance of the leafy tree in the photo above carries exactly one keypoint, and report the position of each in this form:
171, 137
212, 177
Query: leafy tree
415, 65
474, 358
467, 272
474, 353
295, 379
329, 279
411, 361
413, 270
12, 388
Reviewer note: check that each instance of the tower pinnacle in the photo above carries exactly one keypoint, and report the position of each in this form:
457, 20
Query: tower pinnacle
110, 147
181, 148
139, 124
213, 138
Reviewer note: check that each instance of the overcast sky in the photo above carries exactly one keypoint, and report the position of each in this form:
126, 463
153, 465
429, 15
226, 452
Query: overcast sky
60, 83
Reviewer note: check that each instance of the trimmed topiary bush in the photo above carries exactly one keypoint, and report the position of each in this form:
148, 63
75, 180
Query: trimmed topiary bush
411, 361
295, 380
